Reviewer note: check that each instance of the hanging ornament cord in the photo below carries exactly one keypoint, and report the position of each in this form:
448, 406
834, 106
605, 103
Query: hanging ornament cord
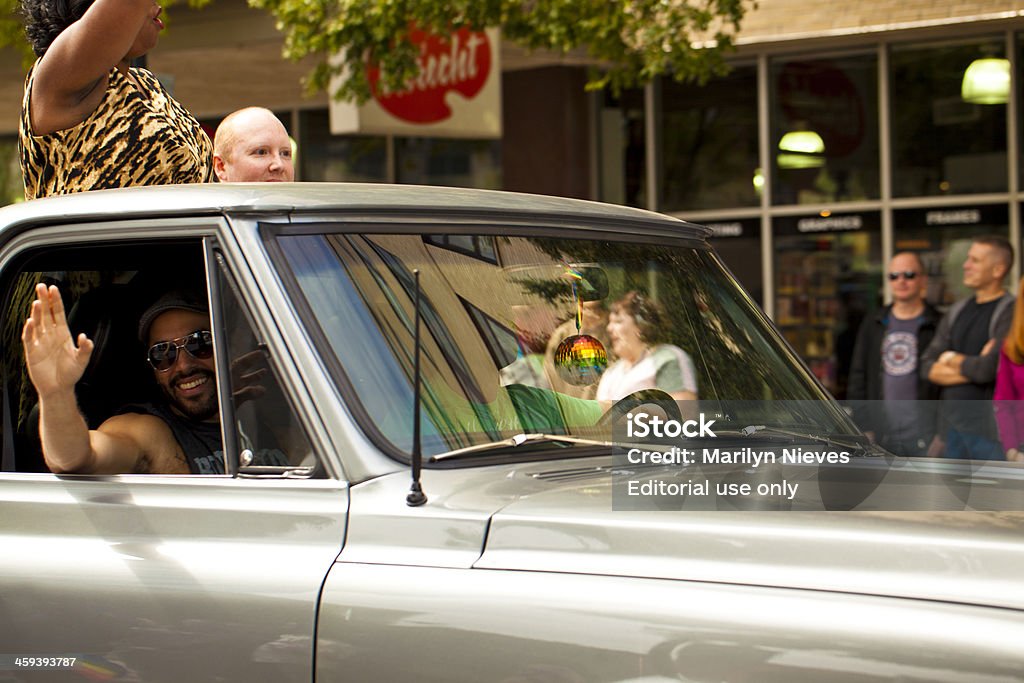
574, 277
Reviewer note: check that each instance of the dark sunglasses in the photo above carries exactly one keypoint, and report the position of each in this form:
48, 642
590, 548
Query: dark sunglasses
198, 344
908, 274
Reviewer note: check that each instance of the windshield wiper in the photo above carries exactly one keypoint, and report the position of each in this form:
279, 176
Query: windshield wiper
847, 441
516, 441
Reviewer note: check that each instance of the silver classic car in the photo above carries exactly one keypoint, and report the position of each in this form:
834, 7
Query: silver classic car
485, 437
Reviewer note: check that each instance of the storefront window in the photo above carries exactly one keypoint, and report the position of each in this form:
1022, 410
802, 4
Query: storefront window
943, 143
824, 128
738, 243
344, 158
623, 157
942, 237
709, 143
452, 162
827, 278
1019, 94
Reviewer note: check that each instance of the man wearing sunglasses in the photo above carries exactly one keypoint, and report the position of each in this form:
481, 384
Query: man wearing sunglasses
884, 383
963, 357
180, 435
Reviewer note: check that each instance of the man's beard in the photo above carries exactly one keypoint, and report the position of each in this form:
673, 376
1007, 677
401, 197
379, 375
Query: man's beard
200, 409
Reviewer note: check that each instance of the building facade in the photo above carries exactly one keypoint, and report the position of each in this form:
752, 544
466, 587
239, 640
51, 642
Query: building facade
842, 135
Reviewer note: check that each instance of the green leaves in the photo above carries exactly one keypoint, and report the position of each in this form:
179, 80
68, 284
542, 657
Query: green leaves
629, 41
12, 30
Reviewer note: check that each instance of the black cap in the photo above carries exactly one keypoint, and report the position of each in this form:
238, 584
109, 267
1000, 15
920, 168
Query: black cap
177, 299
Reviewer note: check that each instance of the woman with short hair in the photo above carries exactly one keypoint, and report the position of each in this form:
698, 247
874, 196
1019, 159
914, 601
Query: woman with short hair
89, 121
635, 329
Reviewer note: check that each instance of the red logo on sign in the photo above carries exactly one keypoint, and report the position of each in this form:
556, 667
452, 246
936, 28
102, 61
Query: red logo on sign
460, 63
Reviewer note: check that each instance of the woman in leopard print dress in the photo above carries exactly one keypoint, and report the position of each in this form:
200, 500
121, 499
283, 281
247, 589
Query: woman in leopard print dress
90, 122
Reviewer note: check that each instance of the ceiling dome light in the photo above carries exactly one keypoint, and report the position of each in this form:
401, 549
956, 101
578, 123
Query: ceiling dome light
801, 149
987, 81
802, 142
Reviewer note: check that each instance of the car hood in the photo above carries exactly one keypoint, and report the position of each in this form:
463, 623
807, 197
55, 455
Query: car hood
569, 525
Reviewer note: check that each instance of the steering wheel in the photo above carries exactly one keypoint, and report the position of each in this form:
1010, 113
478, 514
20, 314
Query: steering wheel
624, 405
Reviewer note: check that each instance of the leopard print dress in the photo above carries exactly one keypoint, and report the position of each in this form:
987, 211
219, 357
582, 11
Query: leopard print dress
136, 136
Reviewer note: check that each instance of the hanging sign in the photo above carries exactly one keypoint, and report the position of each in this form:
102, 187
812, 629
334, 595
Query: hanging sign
456, 94
994, 216
831, 223
953, 217
744, 227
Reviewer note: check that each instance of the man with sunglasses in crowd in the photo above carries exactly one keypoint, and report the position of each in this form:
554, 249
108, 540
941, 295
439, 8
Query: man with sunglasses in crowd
181, 434
884, 383
963, 357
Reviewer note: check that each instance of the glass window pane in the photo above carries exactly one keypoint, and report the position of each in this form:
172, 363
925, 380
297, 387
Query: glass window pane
492, 334
738, 243
480, 246
443, 161
620, 141
1020, 103
942, 144
942, 237
343, 158
709, 143
824, 129
269, 435
827, 278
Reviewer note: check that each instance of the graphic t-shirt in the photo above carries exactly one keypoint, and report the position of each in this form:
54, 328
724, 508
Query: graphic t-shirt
899, 359
899, 373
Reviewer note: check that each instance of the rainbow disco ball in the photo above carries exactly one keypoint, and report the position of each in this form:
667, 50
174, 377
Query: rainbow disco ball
580, 359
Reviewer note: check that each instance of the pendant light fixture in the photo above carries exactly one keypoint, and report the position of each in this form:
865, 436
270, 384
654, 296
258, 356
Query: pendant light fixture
801, 148
987, 81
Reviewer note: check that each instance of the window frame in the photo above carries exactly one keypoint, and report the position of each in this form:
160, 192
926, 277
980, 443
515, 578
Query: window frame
208, 234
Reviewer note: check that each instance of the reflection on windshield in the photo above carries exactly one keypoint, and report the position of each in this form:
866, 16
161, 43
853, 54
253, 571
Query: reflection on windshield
540, 334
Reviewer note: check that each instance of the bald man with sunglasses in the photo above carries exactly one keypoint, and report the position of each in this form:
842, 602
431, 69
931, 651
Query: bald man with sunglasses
884, 384
180, 435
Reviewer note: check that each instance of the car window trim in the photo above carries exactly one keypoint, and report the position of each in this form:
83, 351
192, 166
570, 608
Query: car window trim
213, 262
360, 224
32, 238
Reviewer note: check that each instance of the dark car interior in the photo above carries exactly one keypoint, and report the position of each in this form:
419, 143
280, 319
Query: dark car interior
105, 289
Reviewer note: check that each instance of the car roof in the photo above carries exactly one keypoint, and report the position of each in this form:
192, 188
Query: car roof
239, 198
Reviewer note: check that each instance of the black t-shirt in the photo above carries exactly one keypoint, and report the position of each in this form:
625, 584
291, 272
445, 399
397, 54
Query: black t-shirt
199, 440
968, 336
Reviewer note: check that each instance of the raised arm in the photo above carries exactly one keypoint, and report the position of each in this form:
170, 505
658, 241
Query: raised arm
69, 81
55, 364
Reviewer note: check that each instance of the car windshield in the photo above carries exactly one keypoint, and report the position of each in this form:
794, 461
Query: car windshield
524, 335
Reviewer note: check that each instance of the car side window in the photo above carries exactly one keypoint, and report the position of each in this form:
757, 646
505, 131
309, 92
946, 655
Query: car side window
104, 289
269, 435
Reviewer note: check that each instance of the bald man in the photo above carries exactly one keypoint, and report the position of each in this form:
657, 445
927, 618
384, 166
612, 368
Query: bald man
252, 145
892, 402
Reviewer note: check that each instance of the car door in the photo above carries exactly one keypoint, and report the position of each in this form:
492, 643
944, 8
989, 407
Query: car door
160, 577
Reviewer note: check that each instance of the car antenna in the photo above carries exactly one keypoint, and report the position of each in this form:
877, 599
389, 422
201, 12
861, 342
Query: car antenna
416, 497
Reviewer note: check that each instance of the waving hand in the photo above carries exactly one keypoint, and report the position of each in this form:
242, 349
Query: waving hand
54, 361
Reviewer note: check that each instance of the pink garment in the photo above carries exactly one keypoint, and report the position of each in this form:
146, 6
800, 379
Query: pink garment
1008, 402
